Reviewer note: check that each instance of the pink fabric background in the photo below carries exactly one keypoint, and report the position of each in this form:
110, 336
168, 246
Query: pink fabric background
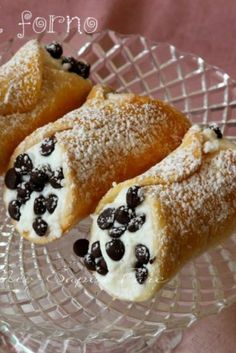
204, 27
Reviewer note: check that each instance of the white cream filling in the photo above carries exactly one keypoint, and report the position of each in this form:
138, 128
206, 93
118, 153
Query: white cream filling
212, 143
120, 281
55, 160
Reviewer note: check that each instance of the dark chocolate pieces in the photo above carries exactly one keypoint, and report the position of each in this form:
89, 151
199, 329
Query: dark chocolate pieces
23, 164
115, 249
106, 218
12, 179
94, 260
38, 179
14, 209
79, 67
80, 247
54, 49
141, 273
98, 264
83, 69
47, 146
117, 221
56, 179
136, 223
216, 130
89, 262
96, 250
116, 232
142, 253
101, 266
134, 196
51, 203
25, 179
68, 62
23, 192
40, 205
40, 226
123, 215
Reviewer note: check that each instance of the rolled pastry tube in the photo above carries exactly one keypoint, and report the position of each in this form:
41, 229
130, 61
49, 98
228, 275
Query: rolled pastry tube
145, 229
37, 86
67, 166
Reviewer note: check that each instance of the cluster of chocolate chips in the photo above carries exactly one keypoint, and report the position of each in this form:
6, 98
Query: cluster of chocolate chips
93, 260
143, 256
116, 222
25, 179
68, 62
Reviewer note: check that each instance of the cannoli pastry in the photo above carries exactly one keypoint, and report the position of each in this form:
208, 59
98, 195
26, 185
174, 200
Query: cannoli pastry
58, 174
37, 86
145, 229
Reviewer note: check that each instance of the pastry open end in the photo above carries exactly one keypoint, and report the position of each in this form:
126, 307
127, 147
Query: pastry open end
72, 162
145, 229
37, 86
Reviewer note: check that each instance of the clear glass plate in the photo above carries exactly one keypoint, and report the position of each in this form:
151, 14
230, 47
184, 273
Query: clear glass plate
48, 301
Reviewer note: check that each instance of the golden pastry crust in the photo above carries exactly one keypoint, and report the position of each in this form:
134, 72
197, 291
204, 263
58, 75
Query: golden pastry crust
34, 90
112, 137
191, 195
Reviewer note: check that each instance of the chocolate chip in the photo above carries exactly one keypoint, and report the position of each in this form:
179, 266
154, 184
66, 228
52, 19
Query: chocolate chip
95, 249
56, 178
14, 210
35, 187
72, 65
23, 164
23, 192
12, 179
142, 253
89, 262
40, 205
82, 69
152, 260
38, 178
116, 232
134, 196
69, 63
217, 131
40, 226
101, 266
80, 247
138, 264
38, 181
115, 249
51, 203
47, 146
54, 49
106, 218
136, 223
123, 215
141, 274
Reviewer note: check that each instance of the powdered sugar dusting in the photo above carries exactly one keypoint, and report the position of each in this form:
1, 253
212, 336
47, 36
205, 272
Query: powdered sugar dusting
198, 206
183, 162
31, 87
175, 166
110, 135
21, 79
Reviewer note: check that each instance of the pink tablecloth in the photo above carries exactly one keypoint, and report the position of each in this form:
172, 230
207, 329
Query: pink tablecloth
204, 27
